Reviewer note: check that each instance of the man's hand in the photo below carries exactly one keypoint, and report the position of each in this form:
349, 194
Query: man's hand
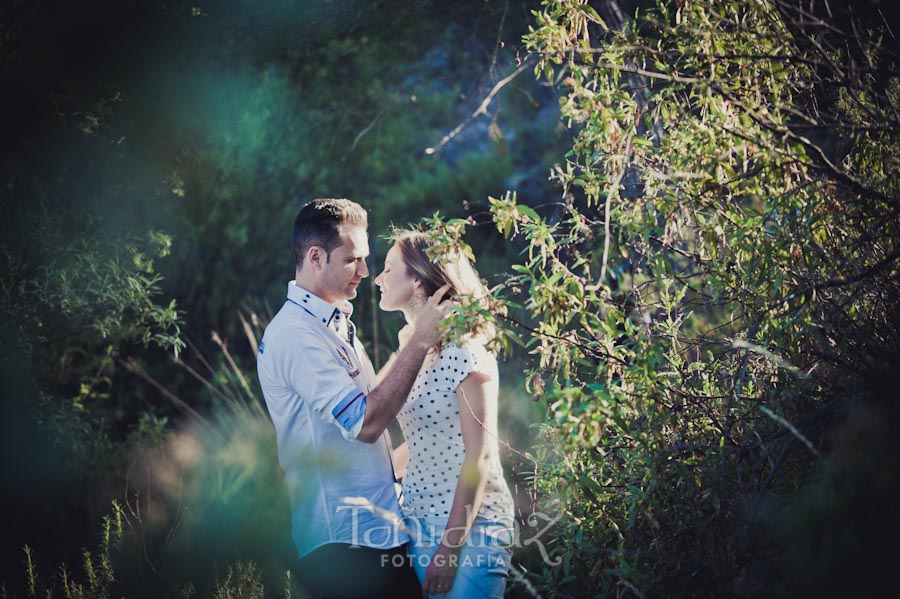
425, 328
388, 397
404, 334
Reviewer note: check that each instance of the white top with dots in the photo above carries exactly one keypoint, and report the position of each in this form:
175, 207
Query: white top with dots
430, 423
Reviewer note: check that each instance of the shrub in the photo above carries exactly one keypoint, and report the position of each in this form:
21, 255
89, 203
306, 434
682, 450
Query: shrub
713, 292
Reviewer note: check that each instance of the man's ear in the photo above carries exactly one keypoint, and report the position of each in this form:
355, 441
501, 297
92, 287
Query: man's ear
315, 256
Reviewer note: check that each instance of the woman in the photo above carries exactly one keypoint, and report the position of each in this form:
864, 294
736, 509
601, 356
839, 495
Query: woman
455, 501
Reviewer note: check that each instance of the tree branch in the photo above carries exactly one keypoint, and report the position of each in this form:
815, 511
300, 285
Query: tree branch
482, 109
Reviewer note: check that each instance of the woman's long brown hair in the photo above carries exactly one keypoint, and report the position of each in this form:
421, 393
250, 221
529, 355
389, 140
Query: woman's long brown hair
452, 267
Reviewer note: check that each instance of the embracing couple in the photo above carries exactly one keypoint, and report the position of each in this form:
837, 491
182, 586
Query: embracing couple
447, 534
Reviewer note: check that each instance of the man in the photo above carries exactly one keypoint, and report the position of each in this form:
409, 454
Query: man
330, 416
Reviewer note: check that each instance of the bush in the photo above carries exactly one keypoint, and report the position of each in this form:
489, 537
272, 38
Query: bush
712, 296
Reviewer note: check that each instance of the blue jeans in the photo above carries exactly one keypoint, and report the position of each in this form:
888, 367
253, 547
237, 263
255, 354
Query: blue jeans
483, 560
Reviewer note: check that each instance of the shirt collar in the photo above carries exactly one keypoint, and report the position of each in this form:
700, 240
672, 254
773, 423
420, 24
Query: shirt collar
312, 303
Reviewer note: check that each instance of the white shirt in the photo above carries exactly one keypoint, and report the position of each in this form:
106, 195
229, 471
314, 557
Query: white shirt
431, 425
315, 381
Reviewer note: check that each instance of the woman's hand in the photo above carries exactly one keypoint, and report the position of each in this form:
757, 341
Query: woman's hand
441, 571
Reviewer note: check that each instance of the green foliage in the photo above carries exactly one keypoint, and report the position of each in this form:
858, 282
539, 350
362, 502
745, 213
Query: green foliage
149, 197
73, 295
241, 582
348, 116
706, 297
76, 300
100, 290
30, 571
99, 580
99, 577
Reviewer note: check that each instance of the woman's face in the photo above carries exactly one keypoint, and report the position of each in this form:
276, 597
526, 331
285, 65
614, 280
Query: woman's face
396, 285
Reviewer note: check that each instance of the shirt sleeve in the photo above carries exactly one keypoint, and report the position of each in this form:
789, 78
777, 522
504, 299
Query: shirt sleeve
458, 362
321, 376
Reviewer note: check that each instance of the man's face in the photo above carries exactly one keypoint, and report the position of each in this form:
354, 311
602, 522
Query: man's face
346, 266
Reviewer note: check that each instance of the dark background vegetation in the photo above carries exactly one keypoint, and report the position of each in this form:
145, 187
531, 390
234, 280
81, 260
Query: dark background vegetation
700, 266
157, 152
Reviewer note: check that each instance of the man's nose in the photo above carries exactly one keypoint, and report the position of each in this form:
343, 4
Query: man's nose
363, 269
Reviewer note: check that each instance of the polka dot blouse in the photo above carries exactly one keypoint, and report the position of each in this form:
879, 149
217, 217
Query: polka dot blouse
431, 425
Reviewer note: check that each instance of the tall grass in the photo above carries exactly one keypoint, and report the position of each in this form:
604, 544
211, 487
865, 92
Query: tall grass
204, 510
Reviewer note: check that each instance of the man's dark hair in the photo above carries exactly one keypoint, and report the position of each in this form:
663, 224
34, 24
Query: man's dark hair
319, 223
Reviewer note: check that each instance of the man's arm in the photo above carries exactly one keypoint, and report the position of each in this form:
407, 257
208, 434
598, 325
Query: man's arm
385, 400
